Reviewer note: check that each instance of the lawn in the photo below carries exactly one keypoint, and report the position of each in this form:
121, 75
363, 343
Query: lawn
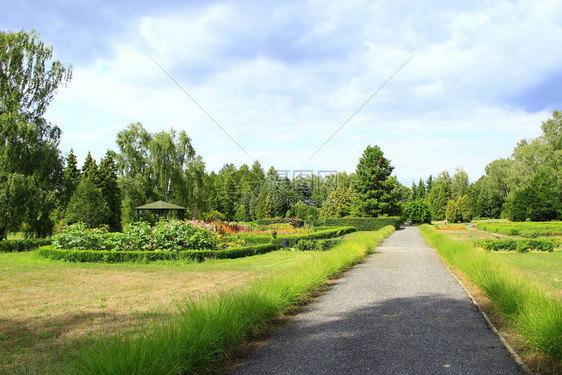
51, 309
48, 306
544, 268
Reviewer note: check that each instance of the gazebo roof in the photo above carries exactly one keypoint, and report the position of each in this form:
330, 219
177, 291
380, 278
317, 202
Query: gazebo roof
160, 205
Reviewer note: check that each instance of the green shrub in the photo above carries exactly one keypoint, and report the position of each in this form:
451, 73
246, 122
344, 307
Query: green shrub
365, 223
170, 235
522, 246
9, 246
297, 223
322, 234
418, 211
317, 245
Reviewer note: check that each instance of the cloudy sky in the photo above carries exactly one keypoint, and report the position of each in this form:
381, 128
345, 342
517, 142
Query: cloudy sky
281, 77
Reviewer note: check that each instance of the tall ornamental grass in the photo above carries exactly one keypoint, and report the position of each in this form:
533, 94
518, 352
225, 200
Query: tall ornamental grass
536, 314
206, 331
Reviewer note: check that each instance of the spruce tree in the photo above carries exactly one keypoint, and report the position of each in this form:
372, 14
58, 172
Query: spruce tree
374, 184
110, 190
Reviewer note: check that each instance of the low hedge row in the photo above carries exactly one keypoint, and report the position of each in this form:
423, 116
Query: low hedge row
323, 232
522, 246
297, 223
319, 235
12, 246
365, 223
112, 256
108, 256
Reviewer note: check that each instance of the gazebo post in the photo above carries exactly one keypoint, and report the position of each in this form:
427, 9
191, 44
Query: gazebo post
138, 215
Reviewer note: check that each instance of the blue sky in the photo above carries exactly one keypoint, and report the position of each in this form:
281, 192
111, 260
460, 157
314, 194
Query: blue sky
282, 77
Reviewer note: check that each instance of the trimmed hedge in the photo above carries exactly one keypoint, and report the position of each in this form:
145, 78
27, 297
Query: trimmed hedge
521, 246
109, 256
365, 223
297, 223
13, 246
319, 235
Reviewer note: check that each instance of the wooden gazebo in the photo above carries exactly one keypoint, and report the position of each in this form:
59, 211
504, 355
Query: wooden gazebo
159, 206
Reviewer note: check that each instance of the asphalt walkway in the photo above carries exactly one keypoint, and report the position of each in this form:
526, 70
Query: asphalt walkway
398, 312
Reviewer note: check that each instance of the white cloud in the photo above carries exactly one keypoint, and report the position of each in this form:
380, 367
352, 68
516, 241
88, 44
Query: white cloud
282, 78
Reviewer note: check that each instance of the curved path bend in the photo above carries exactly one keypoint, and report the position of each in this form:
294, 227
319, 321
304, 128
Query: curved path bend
400, 311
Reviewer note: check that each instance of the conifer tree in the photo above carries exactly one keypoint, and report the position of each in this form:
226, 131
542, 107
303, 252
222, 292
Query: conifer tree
110, 190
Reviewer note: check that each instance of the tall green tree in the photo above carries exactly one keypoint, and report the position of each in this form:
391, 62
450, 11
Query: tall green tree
440, 195
30, 161
87, 205
110, 190
152, 166
376, 190
460, 183
90, 169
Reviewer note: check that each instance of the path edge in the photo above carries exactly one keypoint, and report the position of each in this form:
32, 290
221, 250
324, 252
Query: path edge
491, 325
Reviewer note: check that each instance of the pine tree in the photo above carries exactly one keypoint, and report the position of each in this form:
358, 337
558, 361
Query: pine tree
110, 189
71, 178
374, 184
90, 169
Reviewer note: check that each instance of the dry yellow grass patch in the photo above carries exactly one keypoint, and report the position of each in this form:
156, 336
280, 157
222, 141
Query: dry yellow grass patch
45, 309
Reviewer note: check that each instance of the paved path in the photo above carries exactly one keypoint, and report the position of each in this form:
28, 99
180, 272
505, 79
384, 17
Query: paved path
398, 312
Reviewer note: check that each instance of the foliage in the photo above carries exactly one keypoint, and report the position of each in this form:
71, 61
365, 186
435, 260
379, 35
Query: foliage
339, 203
536, 201
158, 166
87, 205
30, 164
293, 221
164, 236
207, 330
522, 246
378, 193
110, 190
459, 184
459, 210
439, 196
9, 246
536, 314
317, 245
365, 223
418, 211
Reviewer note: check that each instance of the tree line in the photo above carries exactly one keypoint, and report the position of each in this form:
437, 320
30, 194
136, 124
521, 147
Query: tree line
41, 189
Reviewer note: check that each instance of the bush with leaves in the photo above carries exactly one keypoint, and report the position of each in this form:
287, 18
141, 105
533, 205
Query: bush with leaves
317, 245
418, 211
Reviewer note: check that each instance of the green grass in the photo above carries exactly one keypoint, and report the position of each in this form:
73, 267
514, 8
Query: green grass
542, 268
206, 331
532, 310
525, 229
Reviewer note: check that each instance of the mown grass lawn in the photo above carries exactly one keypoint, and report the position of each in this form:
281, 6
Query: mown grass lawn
48, 307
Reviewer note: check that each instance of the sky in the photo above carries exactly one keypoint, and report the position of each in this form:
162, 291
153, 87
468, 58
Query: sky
306, 85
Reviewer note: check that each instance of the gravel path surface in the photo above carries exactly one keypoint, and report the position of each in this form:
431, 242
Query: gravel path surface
398, 312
